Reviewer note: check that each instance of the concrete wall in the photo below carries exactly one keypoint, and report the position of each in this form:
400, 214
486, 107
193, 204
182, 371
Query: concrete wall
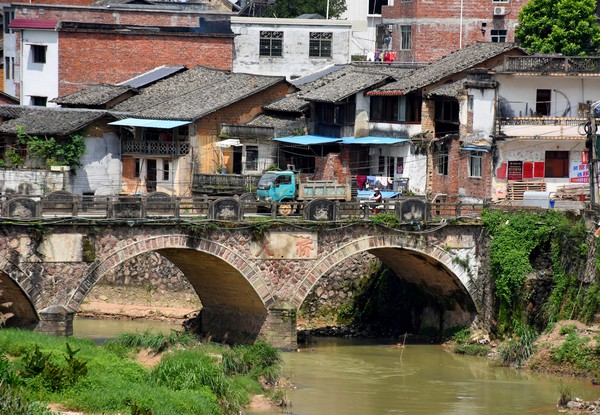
39, 79
32, 182
295, 61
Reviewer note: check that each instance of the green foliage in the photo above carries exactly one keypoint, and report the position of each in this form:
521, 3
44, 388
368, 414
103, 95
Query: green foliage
516, 350
569, 27
567, 329
13, 158
462, 336
388, 220
473, 349
258, 361
579, 352
156, 342
12, 402
53, 375
294, 8
515, 239
48, 151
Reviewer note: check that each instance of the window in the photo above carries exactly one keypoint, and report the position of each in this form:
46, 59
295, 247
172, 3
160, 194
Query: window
406, 108
375, 6
446, 111
38, 53
442, 160
499, 35
166, 169
475, 159
340, 113
39, 101
405, 34
383, 36
137, 168
7, 72
9, 16
543, 99
271, 43
320, 45
557, 164
251, 158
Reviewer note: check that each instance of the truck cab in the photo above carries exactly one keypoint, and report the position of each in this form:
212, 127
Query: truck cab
277, 186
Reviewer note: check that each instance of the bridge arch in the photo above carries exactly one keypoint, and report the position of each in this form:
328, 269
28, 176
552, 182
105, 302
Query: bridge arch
18, 289
234, 297
442, 274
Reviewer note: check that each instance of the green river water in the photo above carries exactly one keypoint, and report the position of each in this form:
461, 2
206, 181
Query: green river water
353, 377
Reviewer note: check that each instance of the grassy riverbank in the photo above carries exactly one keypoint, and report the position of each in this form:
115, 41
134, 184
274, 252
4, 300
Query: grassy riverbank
189, 378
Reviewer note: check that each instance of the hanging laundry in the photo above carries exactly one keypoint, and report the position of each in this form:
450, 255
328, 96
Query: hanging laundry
371, 181
361, 181
370, 56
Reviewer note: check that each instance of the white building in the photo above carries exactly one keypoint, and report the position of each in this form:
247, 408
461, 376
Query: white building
541, 107
35, 63
288, 47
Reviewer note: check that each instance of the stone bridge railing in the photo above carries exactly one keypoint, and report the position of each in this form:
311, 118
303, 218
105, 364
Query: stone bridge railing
161, 205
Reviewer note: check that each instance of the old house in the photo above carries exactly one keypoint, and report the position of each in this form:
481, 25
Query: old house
542, 106
99, 172
171, 124
55, 49
433, 101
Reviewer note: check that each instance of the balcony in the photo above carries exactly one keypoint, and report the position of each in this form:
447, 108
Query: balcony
551, 64
155, 148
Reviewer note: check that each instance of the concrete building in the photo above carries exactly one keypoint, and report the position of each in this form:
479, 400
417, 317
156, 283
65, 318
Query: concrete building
289, 47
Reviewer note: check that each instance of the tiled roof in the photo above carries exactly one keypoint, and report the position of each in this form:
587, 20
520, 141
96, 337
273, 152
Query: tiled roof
46, 121
450, 89
93, 95
455, 62
33, 24
279, 122
195, 93
334, 84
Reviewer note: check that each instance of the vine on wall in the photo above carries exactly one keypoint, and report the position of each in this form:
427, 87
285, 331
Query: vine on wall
517, 240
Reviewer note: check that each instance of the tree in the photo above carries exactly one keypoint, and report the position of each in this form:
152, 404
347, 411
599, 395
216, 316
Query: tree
569, 27
294, 8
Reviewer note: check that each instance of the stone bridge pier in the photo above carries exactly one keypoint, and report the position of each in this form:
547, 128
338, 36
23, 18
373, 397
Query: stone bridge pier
251, 280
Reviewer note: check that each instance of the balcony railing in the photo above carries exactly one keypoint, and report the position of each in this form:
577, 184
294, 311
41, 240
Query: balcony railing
155, 148
552, 64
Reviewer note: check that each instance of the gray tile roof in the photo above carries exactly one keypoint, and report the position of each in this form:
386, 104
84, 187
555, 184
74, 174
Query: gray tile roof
195, 93
46, 121
278, 122
455, 62
450, 89
152, 76
93, 95
319, 86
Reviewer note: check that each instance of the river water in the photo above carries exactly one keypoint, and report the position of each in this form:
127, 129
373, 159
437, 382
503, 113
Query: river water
353, 377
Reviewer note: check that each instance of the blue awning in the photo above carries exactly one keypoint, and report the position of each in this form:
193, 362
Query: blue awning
307, 140
141, 122
373, 140
474, 148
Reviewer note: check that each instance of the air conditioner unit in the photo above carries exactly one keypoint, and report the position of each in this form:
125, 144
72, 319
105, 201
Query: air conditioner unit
499, 11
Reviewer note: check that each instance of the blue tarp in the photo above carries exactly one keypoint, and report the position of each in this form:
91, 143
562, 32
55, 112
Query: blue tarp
307, 140
373, 140
141, 122
386, 194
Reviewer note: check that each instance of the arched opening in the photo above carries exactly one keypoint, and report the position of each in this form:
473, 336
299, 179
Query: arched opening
17, 303
414, 293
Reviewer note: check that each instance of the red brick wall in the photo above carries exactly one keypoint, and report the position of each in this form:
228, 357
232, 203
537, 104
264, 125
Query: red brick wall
436, 25
458, 175
97, 57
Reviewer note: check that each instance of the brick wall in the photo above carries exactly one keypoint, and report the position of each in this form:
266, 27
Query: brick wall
101, 57
436, 25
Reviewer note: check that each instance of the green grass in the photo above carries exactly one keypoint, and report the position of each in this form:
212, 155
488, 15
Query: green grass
472, 349
185, 382
156, 342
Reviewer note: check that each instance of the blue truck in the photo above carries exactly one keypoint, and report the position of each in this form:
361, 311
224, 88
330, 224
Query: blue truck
286, 186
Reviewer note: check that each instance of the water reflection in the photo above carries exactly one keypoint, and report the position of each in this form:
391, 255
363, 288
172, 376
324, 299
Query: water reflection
101, 330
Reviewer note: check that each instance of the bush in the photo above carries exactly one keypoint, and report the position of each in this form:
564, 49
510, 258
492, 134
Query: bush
472, 349
14, 403
156, 342
519, 348
567, 329
578, 352
258, 361
462, 336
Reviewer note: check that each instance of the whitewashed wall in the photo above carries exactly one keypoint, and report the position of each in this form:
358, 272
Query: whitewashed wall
101, 167
535, 150
295, 61
39, 79
32, 182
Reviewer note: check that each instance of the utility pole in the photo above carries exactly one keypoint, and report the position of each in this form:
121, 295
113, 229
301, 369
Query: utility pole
594, 154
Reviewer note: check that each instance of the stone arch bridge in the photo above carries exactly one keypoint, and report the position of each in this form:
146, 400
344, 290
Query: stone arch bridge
250, 277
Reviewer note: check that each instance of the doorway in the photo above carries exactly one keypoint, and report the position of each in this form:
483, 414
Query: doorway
151, 176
